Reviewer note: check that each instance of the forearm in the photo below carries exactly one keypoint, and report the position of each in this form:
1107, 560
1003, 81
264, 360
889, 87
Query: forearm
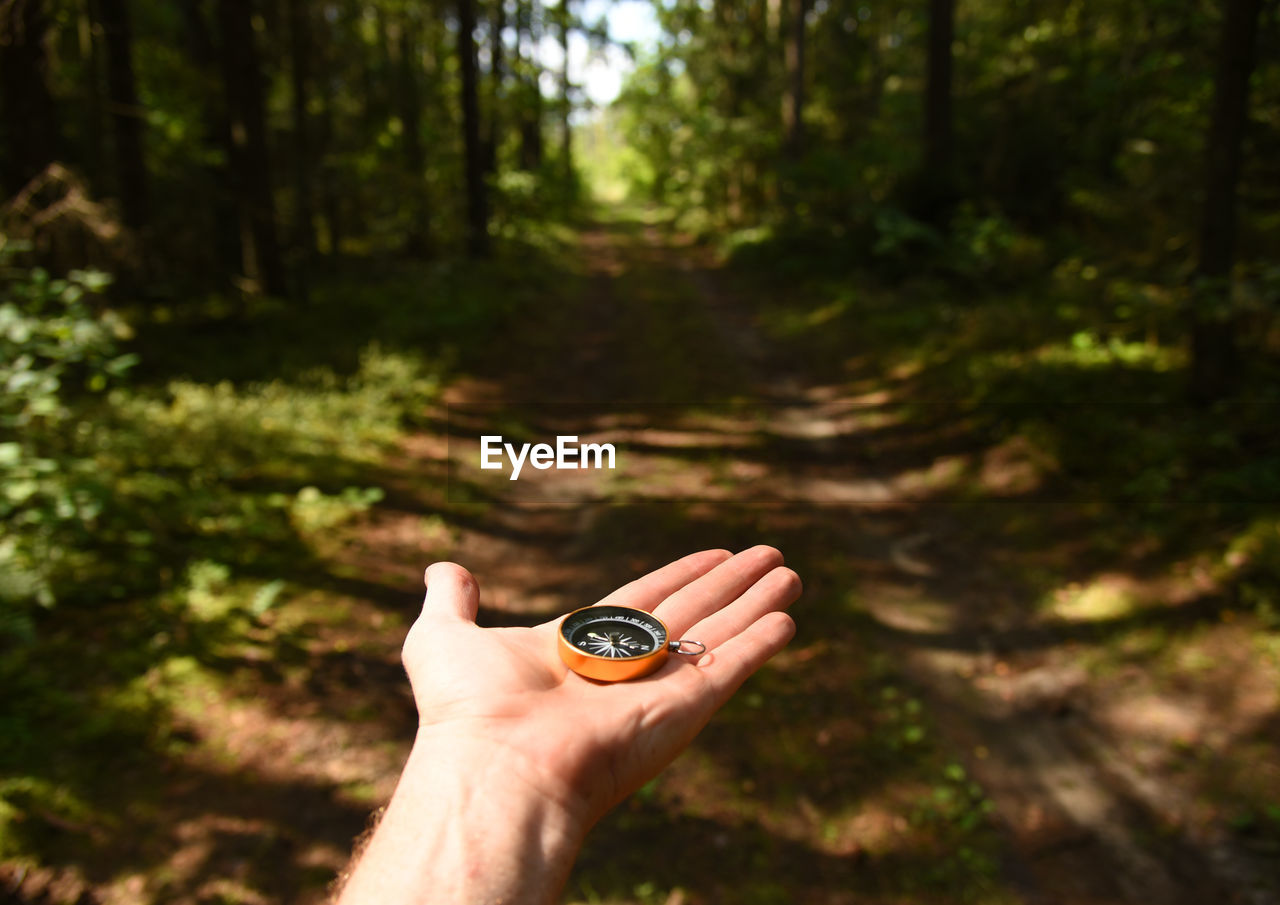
464, 828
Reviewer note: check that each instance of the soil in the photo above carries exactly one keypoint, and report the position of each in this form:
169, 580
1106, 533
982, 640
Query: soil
723, 441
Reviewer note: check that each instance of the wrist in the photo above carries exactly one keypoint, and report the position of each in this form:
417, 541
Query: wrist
494, 776
468, 823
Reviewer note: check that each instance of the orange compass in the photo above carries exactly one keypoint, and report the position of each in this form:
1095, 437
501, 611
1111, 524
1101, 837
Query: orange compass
613, 643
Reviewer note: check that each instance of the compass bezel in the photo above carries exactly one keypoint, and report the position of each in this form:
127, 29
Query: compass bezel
606, 668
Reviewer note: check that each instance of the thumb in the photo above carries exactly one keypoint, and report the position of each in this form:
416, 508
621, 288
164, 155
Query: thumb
452, 592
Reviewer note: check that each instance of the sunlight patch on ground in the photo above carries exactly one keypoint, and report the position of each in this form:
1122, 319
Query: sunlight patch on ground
1108, 597
1012, 467
907, 608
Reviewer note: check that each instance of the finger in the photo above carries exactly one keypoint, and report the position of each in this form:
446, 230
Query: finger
777, 590
452, 592
647, 592
729, 665
718, 588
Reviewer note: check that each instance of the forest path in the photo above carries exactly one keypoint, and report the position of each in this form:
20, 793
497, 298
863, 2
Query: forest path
843, 773
1082, 820
722, 442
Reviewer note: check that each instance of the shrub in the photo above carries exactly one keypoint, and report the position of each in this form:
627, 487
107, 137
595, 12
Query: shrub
56, 348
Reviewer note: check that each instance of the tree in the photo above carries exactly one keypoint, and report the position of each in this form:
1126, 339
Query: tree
417, 240
30, 127
938, 180
473, 151
247, 154
126, 113
330, 201
527, 35
304, 236
793, 97
94, 148
497, 77
1214, 346
216, 127
563, 14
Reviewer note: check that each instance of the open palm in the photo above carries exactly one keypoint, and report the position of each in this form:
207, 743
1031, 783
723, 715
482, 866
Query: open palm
582, 743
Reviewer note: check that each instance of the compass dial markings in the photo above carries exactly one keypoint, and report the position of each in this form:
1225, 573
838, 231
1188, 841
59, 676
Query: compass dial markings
612, 644
614, 633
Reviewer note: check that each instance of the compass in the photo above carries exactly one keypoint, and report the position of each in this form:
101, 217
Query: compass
612, 643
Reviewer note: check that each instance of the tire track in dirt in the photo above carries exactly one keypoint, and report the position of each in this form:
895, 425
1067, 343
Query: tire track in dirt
1083, 825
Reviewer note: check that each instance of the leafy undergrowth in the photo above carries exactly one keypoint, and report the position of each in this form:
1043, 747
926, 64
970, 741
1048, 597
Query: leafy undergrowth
218, 505
171, 563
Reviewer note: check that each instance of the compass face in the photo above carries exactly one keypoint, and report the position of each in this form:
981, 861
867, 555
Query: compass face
612, 642
614, 632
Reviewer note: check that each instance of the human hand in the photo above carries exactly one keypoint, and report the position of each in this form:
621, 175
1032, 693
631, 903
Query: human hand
516, 756
504, 695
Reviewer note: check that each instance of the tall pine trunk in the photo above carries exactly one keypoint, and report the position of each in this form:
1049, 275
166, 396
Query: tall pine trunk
793, 97
938, 183
473, 152
216, 126
566, 102
1215, 356
28, 123
531, 91
497, 75
330, 202
126, 113
417, 240
94, 148
304, 235
250, 162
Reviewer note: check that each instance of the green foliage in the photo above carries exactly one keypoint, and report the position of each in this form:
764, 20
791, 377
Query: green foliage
1252, 562
312, 510
208, 503
955, 801
526, 204
903, 239
52, 343
55, 350
207, 470
1077, 135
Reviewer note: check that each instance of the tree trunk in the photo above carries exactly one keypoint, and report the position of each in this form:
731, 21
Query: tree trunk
417, 240
28, 123
126, 113
369, 107
217, 133
304, 235
566, 103
938, 182
937, 105
94, 149
531, 91
477, 205
793, 98
1214, 348
330, 203
496, 76
250, 162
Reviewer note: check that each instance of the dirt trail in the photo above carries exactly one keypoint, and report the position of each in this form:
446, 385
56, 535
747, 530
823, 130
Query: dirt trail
1082, 822
807, 788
